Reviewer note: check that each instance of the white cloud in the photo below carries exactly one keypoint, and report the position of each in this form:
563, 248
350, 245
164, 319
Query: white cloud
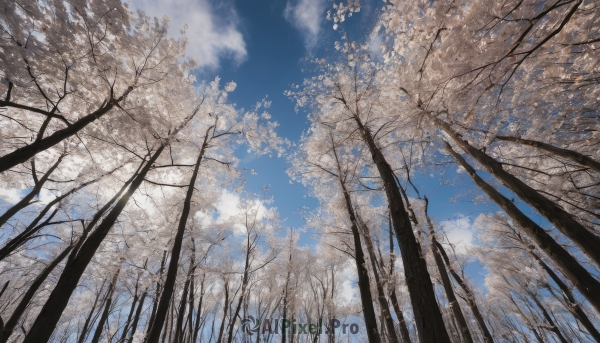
459, 232
211, 34
11, 195
228, 206
349, 290
306, 16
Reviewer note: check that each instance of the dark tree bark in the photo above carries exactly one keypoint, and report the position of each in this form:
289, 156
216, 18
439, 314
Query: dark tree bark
249, 247
383, 304
191, 276
107, 305
24, 302
428, 318
393, 297
565, 153
572, 305
169, 284
553, 328
183, 303
131, 310
23, 154
53, 308
436, 248
463, 328
157, 293
225, 308
136, 318
564, 261
587, 241
198, 313
470, 297
26, 201
88, 320
33, 227
359, 257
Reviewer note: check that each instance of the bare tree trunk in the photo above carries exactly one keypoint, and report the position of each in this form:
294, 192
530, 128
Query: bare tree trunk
22, 154
587, 241
33, 228
169, 284
446, 282
131, 310
26, 201
52, 310
183, 303
361, 269
157, 293
243, 290
363, 277
225, 308
565, 153
383, 304
190, 319
395, 304
20, 309
138, 312
470, 297
428, 318
553, 326
566, 263
88, 320
463, 328
107, 306
572, 305
198, 312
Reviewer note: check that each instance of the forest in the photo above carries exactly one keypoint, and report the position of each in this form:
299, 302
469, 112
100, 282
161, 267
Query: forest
116, 159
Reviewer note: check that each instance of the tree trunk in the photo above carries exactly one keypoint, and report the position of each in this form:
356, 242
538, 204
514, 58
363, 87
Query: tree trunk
190, 319
394, 299
470, 297
446, 282
225, 308
572, 305
26, 201
107, 306
553, 326
20, 309
454, 305
169, 284
181, 313
22, 154
198, 312
566, 263
53, 308
138, 312
361, 269
156, 293
88, 320
33, 228
240, 299
131, 310
587, 241
383, 304
183, 303
565, 153
428, 318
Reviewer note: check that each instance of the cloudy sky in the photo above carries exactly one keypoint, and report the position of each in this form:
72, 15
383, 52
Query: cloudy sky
262, 46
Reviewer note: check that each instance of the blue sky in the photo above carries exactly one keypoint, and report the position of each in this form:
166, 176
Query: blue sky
263, 46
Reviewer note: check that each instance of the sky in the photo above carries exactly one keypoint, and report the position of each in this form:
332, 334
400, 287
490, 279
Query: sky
264, 46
